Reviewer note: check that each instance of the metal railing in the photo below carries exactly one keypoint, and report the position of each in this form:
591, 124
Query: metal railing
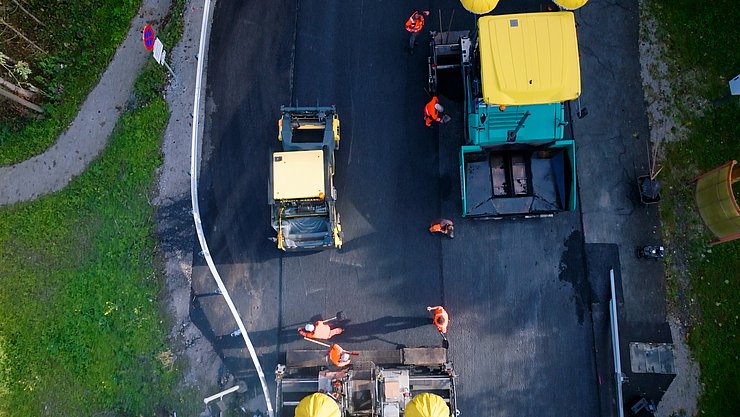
613, 319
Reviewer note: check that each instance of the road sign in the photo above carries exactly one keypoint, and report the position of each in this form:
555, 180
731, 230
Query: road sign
148, 36
158, 52
160, 56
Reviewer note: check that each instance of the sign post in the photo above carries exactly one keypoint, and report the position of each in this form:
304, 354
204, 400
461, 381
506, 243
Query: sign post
152, 43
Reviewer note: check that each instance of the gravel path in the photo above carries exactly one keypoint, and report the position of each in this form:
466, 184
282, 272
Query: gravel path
174, 210
88, 134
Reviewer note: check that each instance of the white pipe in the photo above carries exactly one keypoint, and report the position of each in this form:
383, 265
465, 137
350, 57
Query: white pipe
194, 167
221, 394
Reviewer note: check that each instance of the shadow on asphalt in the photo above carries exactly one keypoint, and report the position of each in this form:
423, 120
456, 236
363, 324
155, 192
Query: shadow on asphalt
377, 329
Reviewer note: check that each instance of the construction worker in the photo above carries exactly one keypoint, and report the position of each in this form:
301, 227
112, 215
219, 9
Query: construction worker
444, 226
432, 111
414, 24
441, 319
338, 356
319, 330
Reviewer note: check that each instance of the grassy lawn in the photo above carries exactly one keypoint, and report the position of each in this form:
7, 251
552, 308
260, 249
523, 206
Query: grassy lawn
702, 40
81, 327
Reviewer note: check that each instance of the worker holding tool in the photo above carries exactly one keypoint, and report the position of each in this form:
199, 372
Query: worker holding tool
441, 319
444, 226
320, 330
336, 354
339, 356
414, 25
433, 112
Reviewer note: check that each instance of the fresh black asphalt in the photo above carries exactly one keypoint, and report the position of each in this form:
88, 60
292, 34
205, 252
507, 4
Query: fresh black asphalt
521, 333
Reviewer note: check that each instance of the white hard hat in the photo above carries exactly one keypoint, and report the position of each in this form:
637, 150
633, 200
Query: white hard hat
344, 357
439, 107
309, 327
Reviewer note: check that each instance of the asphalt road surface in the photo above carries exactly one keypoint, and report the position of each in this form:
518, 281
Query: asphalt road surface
521, 335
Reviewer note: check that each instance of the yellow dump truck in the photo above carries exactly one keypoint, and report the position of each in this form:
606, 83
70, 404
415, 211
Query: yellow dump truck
302, 195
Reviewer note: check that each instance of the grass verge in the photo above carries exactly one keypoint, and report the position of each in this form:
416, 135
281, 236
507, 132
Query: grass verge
697, 35
81, 328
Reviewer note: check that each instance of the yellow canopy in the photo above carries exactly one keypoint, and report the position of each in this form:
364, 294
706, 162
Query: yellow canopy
427, 405
479, 6
317, 405
529, 58
570, 4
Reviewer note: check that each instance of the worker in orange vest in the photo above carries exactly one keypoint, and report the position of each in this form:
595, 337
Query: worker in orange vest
444, 226
441, 319
339, 356
414, 24
319, 330
432, 111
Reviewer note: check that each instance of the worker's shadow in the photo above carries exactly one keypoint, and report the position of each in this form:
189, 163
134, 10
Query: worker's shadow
353, 333
372, 330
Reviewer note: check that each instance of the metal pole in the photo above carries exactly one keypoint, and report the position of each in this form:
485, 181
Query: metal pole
618, 375
221, 394
166, 65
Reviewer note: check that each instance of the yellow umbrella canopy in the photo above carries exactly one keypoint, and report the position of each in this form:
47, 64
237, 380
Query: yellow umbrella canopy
480, 6
317, 405
427, 405
570, 4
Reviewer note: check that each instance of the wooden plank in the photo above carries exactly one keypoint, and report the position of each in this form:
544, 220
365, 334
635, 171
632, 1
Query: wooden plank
424, 356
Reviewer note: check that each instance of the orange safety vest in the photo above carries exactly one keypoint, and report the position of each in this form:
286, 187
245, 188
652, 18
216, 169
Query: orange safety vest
431, 112
321, 331
415, 22
335, 355
441, 319
435, 228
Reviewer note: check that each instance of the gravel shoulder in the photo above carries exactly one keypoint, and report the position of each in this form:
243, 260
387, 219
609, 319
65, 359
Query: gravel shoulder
174, 210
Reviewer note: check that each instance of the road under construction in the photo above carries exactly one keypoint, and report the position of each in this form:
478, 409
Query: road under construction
521, 336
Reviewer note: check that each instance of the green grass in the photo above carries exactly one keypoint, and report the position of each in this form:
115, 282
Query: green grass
81, 331
701, 39
80, 328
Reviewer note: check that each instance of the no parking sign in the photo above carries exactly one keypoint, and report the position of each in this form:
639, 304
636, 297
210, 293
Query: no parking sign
152, 43
148, 37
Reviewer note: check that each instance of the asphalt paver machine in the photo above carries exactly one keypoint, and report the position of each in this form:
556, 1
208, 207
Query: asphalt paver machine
410, 382
302, 195
518, 72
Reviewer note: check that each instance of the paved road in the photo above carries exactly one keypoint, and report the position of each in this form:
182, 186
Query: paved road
521, 333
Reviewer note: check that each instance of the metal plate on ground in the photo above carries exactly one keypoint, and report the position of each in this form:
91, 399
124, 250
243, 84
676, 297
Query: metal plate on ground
424, 356
652, 358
